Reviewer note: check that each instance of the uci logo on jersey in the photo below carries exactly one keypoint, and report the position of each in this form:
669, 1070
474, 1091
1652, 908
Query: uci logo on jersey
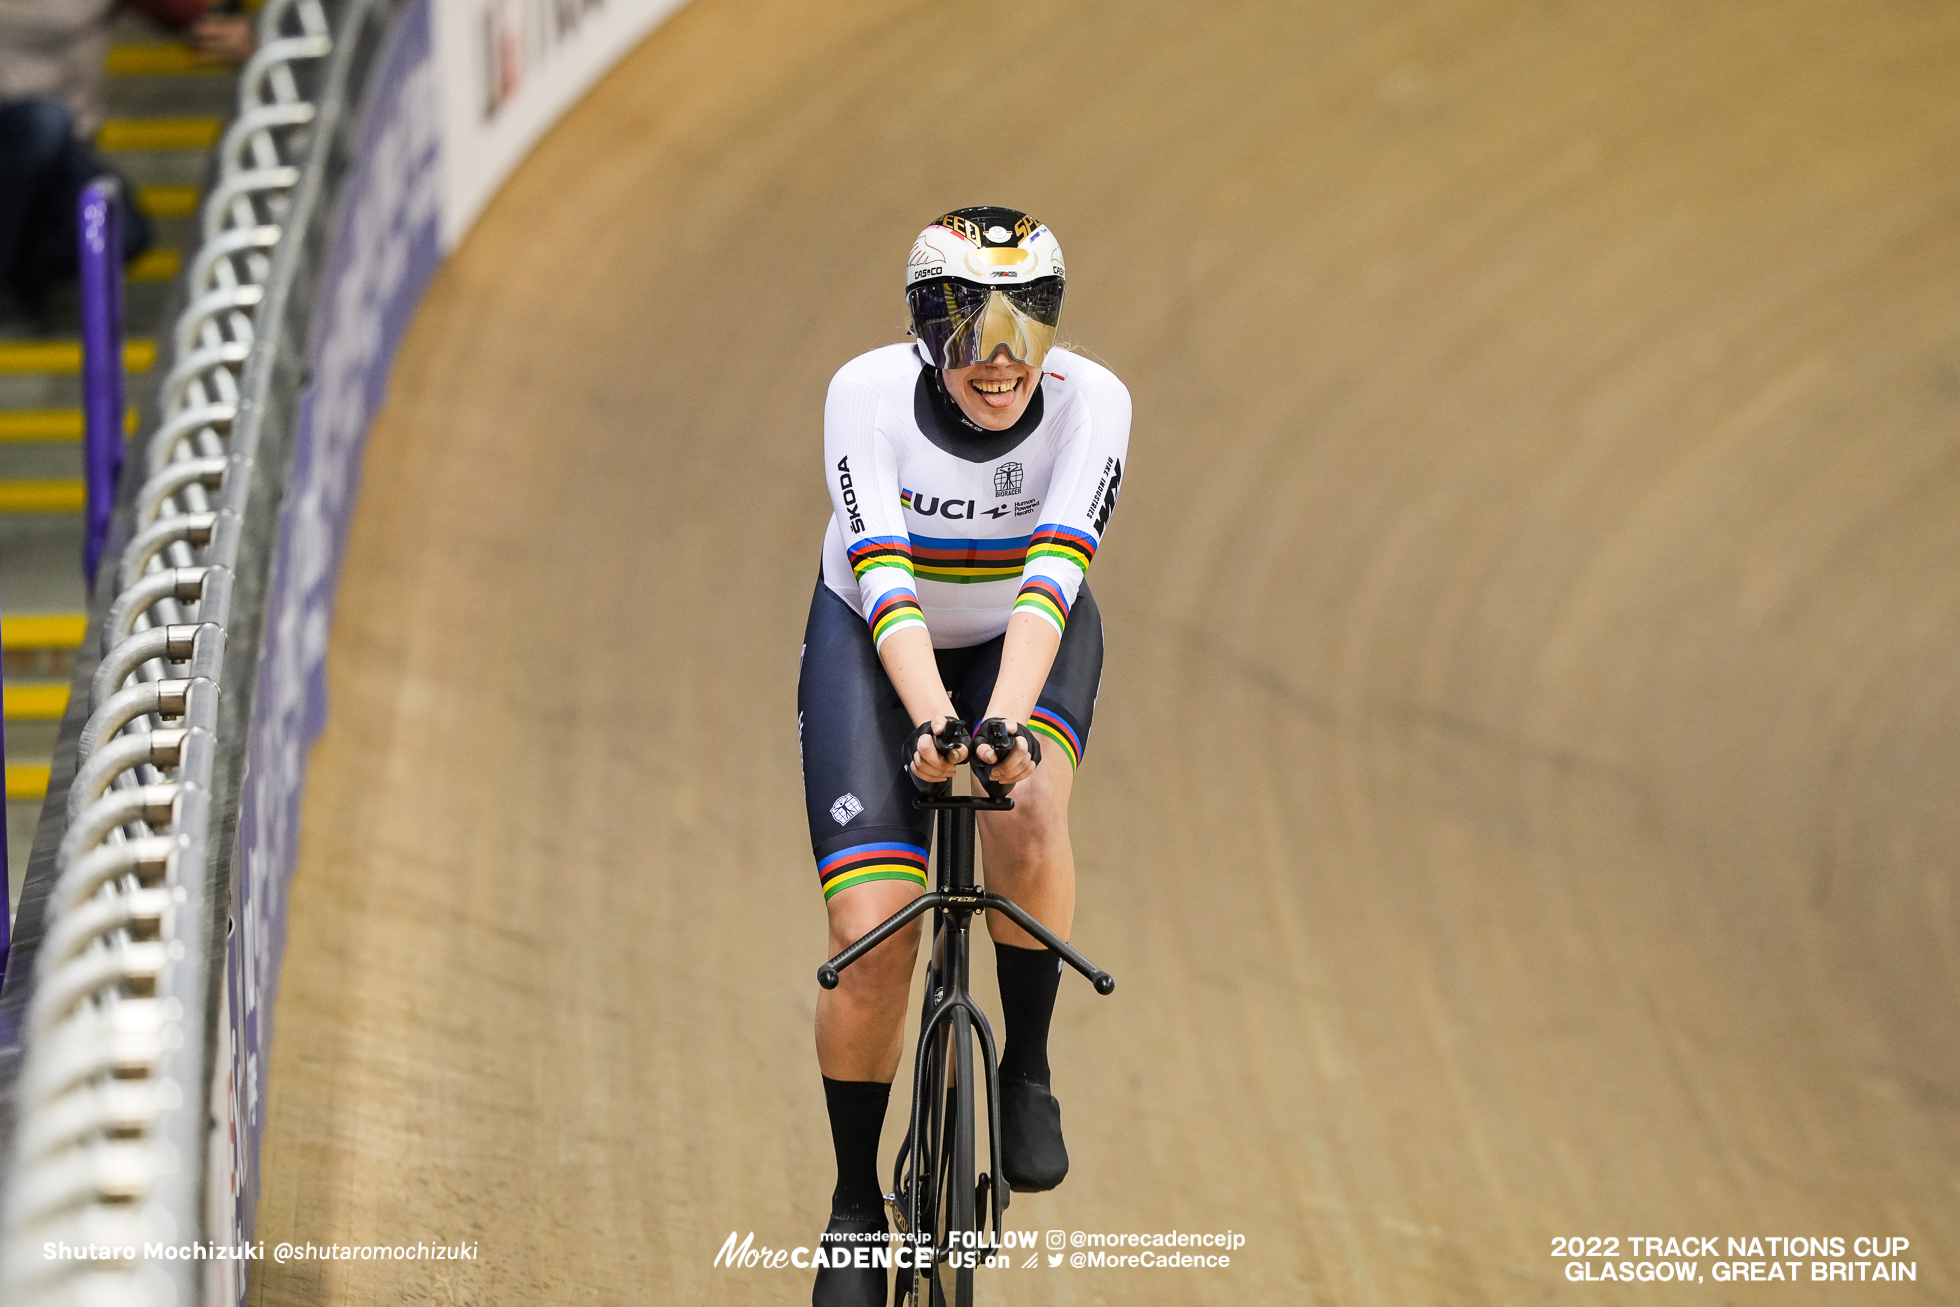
932, 505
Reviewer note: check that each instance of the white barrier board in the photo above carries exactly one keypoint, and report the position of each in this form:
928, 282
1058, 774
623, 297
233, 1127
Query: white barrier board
508, 69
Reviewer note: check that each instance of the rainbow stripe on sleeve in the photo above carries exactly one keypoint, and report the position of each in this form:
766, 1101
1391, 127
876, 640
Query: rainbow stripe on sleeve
1055, 541
895, 610
1055, 728
1043, 597
881, 551
884, 861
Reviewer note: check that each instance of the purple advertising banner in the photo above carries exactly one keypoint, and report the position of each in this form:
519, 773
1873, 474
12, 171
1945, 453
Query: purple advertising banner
383, 253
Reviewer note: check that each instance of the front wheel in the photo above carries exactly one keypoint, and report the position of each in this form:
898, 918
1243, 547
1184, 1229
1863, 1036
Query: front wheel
959, 1192
953, 1180
916, 1186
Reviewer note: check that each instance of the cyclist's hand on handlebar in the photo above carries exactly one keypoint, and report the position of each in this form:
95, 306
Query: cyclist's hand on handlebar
939, 747
1013, 765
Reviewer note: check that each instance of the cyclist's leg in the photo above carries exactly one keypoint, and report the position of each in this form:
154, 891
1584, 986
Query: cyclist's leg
1027, 854
870, 848
861, 1023
868, 839
1031, 861
1026, 851
1028, 858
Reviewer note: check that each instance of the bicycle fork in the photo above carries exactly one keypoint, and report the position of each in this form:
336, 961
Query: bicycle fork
935, 1075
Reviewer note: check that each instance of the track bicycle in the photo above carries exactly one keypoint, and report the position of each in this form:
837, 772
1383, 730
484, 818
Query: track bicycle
949, 1218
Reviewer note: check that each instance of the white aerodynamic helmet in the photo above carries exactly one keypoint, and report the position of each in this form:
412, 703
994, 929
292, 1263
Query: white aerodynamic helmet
984, 277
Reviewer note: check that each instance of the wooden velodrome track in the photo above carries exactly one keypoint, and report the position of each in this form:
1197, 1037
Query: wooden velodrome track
1522, 802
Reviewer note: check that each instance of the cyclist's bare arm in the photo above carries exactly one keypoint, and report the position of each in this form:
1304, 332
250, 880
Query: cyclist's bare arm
908, 660
1025, 659
1027, 654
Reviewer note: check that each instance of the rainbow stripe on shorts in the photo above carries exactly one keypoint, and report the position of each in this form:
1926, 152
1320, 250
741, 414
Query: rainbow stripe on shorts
1055, 728
882, 861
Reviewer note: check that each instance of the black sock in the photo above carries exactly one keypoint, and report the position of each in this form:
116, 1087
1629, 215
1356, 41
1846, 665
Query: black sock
1029, 978
857, 1115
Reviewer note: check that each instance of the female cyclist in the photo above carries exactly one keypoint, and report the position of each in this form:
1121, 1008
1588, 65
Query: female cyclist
972, 474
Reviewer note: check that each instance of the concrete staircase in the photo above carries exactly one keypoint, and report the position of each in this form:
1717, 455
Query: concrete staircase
166, 111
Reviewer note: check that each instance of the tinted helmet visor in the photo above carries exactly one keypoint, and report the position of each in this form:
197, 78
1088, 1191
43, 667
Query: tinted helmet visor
962, 324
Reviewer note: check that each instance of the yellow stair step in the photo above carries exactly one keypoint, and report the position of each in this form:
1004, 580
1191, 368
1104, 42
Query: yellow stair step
159, 59
65, 356
41, 496
50, 425
199, 133
43, 631
36, 701
167, 201
155, 265
27, 780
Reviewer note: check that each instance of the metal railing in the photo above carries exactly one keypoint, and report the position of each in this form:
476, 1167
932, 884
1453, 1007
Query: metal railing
110, 1144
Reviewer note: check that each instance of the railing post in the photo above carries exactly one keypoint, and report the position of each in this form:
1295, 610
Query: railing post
102, 363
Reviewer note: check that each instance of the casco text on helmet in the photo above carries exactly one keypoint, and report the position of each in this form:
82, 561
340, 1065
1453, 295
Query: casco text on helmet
982, 277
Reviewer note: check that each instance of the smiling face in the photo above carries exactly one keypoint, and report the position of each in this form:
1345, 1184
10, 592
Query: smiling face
993, 394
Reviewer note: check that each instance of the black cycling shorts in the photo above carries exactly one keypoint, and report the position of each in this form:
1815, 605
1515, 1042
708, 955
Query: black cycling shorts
851, 729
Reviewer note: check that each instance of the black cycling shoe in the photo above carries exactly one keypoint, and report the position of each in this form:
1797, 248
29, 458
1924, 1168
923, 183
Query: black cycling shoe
1032, 1155
852, 1286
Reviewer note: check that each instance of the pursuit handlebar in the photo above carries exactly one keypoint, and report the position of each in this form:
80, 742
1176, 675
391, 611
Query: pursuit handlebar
954, 735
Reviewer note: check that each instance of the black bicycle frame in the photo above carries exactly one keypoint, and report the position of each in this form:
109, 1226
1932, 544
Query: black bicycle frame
948, 1000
